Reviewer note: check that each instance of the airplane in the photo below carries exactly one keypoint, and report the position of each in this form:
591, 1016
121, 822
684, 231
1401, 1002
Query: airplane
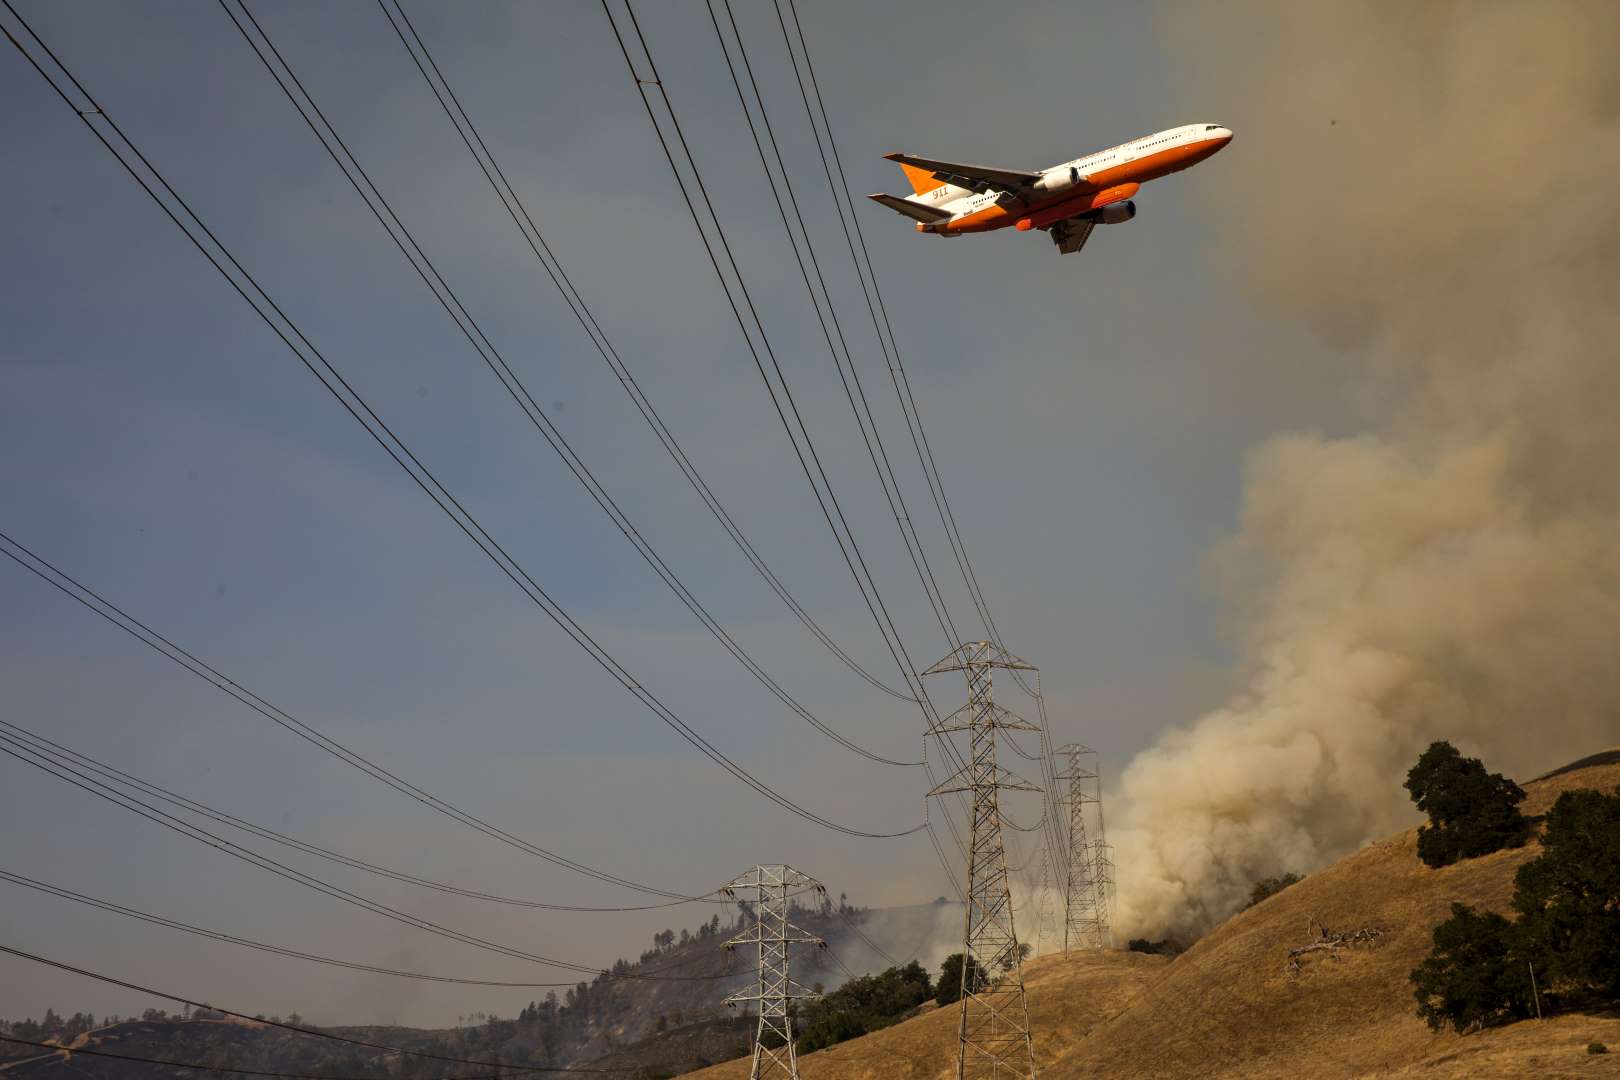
1067, 200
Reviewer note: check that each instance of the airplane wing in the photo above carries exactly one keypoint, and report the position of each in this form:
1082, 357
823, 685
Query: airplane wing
980, 178
916, 211
1071, 235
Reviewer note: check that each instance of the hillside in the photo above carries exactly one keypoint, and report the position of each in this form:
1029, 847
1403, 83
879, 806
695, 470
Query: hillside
662, 1025
1230, 1006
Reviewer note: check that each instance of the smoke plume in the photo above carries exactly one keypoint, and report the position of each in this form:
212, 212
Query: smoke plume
1431, 189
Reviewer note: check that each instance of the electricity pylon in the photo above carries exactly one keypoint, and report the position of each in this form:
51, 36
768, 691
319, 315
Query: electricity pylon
1103, 861
1085, 893
1043, 927
773, 933
993, 1032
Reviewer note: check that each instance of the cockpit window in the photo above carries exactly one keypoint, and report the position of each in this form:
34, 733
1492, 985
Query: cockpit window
1211, 127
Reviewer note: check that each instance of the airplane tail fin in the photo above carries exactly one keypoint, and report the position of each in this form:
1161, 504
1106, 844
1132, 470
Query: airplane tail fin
922, 181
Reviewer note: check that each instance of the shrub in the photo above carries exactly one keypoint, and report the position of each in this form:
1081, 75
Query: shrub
1471, 812
1596, 1048
1167, 947
1271, 886
1475, 975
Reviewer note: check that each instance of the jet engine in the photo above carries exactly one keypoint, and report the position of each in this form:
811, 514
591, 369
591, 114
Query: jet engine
1114, 213
1059, 179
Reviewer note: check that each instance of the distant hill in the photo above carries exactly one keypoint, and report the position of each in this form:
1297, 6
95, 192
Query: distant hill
1232, 1005
660, 1026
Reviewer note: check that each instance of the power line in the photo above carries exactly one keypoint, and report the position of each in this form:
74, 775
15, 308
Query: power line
63, 893
56, 1048
163, 794
552, 264
898, 377
880, 460
897, 647
167, 996
796, 428
887, 477
897, 372
363, 414
453, 306
78, 779
76, 590
884, 470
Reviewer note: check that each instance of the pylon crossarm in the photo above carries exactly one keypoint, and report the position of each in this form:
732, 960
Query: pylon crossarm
967, 780
979, 654
982, 714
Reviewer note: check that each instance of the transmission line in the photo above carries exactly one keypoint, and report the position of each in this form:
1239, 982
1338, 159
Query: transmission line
453, 306
75, 590
40, 744
796, 430
315, 1033
842, 200
897, 372
518, 210
13, 748
897, 647
887, 477
784, 402
233, 1070
63, 893
884, 470
384, 436
889, 345
886, 474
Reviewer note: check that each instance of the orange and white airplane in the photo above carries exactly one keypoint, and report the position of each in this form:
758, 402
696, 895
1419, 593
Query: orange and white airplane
1067, 200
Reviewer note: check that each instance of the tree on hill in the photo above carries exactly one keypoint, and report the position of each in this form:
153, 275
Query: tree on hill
1568, 926
1471, 812
950, 978
1568, 899
1024, 951
1475, 976
1271, 886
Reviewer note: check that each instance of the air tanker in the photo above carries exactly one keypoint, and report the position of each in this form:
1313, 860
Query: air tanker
1067, 200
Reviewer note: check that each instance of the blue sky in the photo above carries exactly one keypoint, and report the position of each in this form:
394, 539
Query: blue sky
1090, 415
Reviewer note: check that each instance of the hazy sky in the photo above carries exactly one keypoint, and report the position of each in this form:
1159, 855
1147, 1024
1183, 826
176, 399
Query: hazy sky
1090, 415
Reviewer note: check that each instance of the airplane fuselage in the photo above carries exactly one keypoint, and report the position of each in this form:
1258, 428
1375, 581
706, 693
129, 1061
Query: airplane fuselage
1094, 182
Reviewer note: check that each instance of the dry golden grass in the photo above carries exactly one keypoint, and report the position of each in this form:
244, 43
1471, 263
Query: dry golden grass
1066, 997
1229, 1007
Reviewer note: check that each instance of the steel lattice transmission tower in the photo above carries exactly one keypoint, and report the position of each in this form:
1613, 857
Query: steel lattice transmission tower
1089, 874
1043, 927
772, 933
993, 1032
1102, 862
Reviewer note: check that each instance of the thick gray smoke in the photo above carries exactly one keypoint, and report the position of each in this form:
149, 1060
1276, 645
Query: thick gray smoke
1432, 189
